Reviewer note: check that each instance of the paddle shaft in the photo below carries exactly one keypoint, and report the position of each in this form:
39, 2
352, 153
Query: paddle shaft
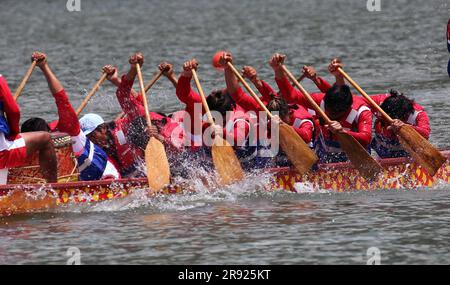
153, 81
307, 96
249, 89
89, 96
367, 97
223, 155
202, 95
25, 80
144, 97
300, 79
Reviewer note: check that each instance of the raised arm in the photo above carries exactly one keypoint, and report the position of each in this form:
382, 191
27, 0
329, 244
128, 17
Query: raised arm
53, 83
184, 90
127, 98
235, 90
10, 108
311, 73
168, 72
267, 93
68, 120
335, 64
290, 94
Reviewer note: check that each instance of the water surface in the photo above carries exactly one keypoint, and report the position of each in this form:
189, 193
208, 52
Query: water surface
403, 47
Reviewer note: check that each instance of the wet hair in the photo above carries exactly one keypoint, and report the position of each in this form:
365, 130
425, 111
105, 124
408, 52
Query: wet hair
398, 106
220, 101
35, 125
136, 134
278, 104
338, 99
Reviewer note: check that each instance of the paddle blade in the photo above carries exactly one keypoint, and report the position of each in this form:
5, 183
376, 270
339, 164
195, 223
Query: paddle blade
226, 163
421, 149
298, 152
367, 166
158, 170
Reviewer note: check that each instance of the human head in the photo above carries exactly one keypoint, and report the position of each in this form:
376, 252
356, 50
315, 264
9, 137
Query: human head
338, 101
95, 129
398, 106
35, 125
278, 104
220, 101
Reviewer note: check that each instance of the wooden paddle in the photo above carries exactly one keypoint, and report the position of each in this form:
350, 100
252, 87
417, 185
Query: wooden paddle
300, 79
158, 169
25, 80
89, 96
223, 155
417, 146
367, 166
298, 152
149, 85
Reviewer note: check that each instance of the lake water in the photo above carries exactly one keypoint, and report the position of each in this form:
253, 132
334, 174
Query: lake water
403, 46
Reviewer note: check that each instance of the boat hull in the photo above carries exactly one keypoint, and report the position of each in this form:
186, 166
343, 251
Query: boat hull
399, 174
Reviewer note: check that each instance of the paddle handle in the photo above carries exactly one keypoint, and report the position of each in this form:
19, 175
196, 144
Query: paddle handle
153, 81
25, 80
249, 89
144, 97
202, 95
300, 79
89, 96
367, 97
307, 95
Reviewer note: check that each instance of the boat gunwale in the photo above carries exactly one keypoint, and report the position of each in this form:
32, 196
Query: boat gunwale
136, 182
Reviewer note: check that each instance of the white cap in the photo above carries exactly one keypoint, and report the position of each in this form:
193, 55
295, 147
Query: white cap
90, 122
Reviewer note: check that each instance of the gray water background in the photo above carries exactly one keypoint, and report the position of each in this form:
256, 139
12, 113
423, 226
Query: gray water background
403, 47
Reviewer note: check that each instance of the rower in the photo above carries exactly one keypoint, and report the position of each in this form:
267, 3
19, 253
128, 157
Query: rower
348, 113
404, 111
16, 148
129, 135
293, 115
231, 119
93, 162
127, 155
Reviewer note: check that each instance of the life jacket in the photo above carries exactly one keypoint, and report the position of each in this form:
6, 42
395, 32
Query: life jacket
127, 154
302, 116
327, 143
4, 127
91, 162
246, 150
385, 143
